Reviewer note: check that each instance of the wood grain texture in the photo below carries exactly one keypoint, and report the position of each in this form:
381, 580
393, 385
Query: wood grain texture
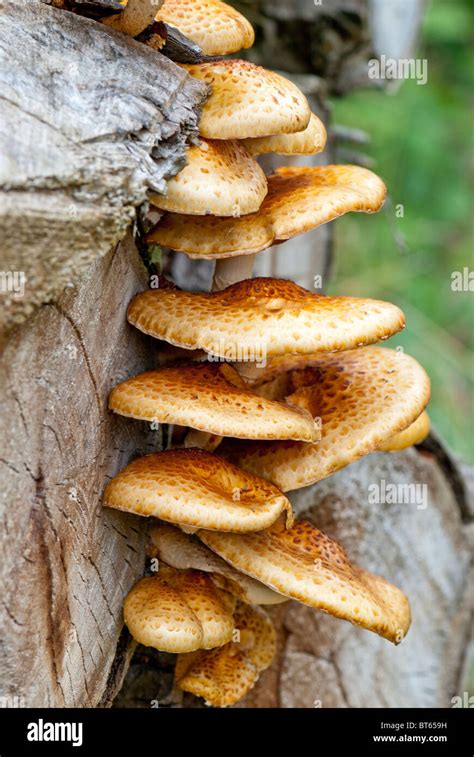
96, 121
67, 563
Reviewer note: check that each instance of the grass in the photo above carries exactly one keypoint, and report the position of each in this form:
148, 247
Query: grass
421, 141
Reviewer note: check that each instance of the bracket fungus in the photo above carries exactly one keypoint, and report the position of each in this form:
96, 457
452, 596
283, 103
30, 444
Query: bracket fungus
215, 26
415, 433
299, 199
304, 397
183, 551
274, 316
224, 676
197, 490
309, 566
310, 141
220, 178
211, 397
179, 611
363, 397
248, 101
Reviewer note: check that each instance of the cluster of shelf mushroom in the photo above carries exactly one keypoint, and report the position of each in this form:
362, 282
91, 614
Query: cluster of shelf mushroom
224, 533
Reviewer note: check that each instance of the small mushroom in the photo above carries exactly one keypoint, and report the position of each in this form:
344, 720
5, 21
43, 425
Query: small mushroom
275, 315
213, 398
299, 199
182, 551
307, 142
220, 178
197, 490
135, 17
414, 434
215, 26
312, 568
363, 397
179, 611
248, 101
224, 676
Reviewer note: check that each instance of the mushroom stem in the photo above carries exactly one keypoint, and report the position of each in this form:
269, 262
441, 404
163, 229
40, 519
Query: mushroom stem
231, 270
136, 16
202, 440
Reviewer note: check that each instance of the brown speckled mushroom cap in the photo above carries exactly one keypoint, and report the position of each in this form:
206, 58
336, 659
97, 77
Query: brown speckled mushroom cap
307, 142
248, 101
213, 25
183, 551
178, 612
210, 397
308, 566
414, 434
224, 676
196, 489
274, 315
363, 397
220, 178
299, 199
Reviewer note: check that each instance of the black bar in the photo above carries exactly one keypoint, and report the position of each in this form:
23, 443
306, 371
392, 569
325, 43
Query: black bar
140, 731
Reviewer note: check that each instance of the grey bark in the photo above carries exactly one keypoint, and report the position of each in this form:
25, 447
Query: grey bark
67, 562
91, 120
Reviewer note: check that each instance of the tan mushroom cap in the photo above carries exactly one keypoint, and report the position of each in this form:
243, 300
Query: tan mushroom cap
221, 677
299, 199
248, 101
220, 178
414, 434
363, 397
213, 398
213, 25
307, 142
263, 317
224, 676
182, 551
178, 613
257, 634
308, 566
198, 490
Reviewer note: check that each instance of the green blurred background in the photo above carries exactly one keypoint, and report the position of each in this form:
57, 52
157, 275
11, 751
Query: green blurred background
422, 145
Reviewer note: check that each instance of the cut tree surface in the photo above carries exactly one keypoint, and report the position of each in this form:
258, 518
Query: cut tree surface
85, 131
67, 563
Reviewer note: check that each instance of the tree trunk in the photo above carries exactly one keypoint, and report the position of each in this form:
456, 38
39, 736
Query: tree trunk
91, 120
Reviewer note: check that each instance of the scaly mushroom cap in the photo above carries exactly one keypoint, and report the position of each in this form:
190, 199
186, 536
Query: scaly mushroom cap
216, 27
221, 677
182, 551
248, 101
307, 142
363, 397
178, 613
224, 676
213, 398
220, 178
198, 490
414, 434
257, 634
308, 566
264, 317
298, 200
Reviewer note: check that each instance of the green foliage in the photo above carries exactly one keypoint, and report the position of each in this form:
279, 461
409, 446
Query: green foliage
422, 146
